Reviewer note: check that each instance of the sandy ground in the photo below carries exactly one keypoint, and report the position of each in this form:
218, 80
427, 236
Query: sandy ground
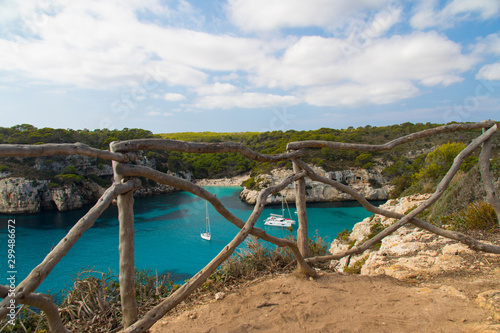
234, 181
347, 303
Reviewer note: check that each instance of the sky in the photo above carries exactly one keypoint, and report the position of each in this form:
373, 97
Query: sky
247, 65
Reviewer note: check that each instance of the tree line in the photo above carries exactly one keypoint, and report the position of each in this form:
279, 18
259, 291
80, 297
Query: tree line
273, 142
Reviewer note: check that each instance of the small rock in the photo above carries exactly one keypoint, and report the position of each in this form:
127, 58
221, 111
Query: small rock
490, 300
192, 315
219, 296
451, 291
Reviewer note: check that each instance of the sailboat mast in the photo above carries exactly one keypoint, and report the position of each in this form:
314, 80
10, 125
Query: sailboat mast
207, 222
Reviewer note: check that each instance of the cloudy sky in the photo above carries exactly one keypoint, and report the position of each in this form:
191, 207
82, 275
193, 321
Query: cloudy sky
247, 65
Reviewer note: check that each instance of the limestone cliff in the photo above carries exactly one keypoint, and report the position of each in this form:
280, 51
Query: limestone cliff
19, 195
407, 253
359, 179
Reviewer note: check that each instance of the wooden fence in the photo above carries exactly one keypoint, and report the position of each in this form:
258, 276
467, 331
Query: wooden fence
125, 182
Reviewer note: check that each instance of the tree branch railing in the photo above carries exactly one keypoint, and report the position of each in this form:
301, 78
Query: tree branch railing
126, 181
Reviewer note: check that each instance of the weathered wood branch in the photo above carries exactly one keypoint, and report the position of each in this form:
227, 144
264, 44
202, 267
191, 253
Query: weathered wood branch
202, 148
39, 273
169, 303
126, 248
300, 203
66, 149
129, 170
469, 241
44, 303
484, 167
391, 144
411, 216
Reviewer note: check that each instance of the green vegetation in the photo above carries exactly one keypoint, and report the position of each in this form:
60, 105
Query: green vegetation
476, 216
407, 172
93, 304
423, 174
356, 267
343, 236
257, 260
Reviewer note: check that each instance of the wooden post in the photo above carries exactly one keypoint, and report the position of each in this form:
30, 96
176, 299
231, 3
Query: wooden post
484, 168
126, 248
300, 202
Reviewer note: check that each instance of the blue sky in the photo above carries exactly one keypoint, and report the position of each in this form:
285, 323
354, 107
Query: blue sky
247, 65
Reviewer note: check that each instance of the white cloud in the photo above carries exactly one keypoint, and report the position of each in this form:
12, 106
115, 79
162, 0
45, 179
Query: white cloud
103, 44
216, 89
360, 94
490, 72
428, 15
382, 22
490, 45
426, 58
262, 15
174, 97
139, 44
485, 8
158, 113
245, 100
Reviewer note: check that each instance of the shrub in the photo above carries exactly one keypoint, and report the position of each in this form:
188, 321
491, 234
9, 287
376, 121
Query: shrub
93, 304
70, 178
477, 215
249, 183
439, 161
356, 267
368, 165
99, 181
375, 229
343, 236
318, 245
374, 183
69, 170
364, 158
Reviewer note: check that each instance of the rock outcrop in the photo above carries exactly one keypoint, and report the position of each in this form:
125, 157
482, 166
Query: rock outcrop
19, 195
406, 253
361, 180
411, 254
22, 196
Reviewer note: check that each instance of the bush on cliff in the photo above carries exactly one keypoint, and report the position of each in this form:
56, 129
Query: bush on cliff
478, 215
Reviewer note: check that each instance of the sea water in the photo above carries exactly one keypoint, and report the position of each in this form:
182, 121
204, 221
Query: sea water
167, 235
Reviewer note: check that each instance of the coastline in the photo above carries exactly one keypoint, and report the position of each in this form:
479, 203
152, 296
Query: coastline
233, 181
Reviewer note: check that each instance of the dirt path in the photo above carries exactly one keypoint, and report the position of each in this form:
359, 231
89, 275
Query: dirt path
348, 303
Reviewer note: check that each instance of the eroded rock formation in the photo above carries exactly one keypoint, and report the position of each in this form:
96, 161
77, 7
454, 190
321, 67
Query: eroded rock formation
370, 183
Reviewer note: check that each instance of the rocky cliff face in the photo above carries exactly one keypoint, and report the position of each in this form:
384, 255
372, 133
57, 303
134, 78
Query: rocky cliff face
19, 195
359, 179
22, 196
407, 253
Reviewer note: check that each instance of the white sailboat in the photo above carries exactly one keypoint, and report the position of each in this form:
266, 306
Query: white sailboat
205, 234
277, 220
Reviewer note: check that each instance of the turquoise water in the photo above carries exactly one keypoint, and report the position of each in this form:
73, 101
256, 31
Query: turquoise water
167, 235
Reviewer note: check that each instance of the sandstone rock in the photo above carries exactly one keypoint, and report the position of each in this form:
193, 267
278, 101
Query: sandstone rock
219, 296
452, 291
406, 253
490, 300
